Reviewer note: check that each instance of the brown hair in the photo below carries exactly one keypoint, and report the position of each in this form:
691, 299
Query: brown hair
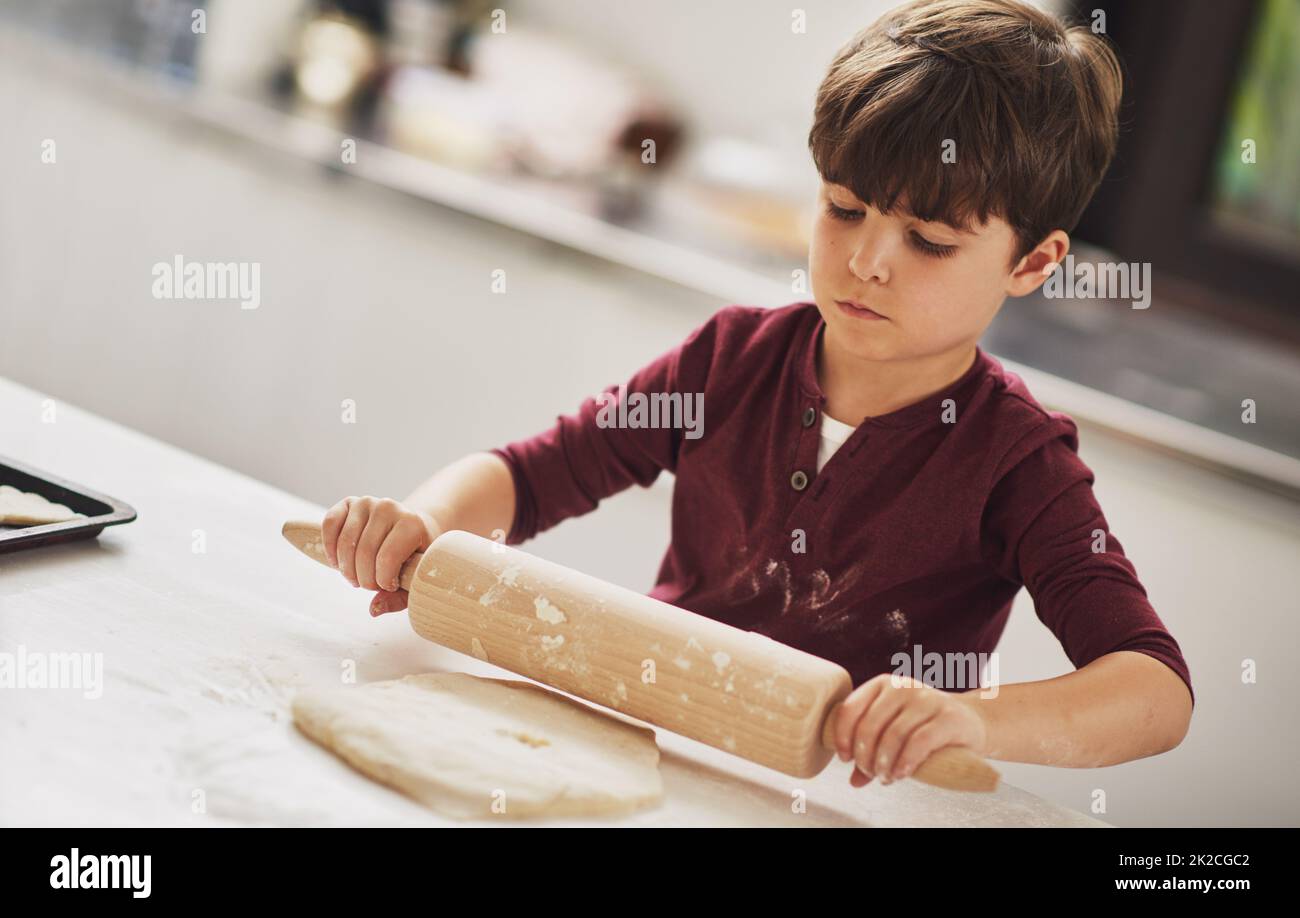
1031, 105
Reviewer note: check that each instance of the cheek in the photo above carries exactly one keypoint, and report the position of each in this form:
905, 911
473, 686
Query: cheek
820, 238
821, 249
980, 283
959, 294
826, 247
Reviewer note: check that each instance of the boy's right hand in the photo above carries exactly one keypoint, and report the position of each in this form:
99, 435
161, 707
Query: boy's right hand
368, 539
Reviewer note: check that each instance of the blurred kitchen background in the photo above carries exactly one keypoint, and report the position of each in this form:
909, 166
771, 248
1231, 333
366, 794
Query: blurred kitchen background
385, 160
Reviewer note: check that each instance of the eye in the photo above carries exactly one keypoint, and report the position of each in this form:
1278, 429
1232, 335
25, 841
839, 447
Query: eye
839, 213
933, 249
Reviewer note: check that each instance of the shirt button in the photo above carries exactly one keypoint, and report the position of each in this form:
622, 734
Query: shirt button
809, 416
799, 480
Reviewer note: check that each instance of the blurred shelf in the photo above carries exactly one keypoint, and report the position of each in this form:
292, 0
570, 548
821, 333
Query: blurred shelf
1026, 337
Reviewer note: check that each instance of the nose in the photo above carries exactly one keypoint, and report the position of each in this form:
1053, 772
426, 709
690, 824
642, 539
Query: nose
870, 253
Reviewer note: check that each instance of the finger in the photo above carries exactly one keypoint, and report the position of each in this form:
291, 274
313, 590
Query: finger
378, 525
894, 737
403, 540
866, 735
330, 527
851, 711
349, 536
922, 742
858, 779
386, 601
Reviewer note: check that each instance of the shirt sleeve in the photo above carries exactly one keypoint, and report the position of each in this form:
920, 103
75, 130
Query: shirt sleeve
567, 469
1043, 528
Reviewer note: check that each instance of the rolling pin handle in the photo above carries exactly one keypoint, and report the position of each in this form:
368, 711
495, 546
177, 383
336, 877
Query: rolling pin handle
305, 535
407, 575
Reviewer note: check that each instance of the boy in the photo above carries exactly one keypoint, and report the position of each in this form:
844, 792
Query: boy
870, 482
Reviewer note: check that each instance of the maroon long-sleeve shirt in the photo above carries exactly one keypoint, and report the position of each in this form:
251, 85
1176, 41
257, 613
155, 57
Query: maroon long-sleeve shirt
919, 530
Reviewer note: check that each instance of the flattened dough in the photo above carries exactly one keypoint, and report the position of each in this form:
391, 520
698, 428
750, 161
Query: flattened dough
23, 508
486, 748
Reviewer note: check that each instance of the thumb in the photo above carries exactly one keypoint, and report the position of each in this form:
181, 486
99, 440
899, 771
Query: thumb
387, 601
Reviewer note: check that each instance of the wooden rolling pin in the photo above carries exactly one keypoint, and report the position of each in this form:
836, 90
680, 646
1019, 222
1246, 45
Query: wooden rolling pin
735, 690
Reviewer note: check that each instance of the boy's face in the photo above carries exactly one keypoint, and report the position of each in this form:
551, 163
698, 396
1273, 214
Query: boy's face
937, 287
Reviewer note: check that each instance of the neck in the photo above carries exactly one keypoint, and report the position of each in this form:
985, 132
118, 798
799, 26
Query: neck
858, 388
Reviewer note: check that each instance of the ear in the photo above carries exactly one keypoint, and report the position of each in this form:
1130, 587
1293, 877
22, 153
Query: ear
1034, 268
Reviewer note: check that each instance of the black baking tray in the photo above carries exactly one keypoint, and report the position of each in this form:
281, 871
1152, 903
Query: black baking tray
100, 509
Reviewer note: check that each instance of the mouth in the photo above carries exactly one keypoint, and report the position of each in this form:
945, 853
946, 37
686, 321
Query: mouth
858, 311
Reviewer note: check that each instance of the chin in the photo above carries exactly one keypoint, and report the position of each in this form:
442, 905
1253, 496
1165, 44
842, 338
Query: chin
862, 340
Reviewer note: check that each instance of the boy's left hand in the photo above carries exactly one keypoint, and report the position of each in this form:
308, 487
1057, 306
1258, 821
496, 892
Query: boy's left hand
890, 724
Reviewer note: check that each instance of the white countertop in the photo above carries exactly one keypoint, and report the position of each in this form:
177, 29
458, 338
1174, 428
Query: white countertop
202, 653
